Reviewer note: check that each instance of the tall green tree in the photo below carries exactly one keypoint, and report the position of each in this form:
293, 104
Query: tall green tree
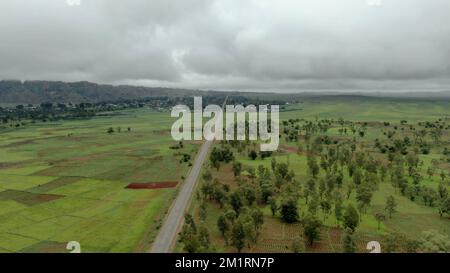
351, 218
224, 226
348, 242
311, 229
238, 236
289, 211
391, 205
273, 205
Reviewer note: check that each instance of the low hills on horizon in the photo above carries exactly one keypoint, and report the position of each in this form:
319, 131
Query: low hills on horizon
35, 92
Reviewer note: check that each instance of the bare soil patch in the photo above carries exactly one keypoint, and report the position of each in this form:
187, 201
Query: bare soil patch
152, 185
59, 182
28, 198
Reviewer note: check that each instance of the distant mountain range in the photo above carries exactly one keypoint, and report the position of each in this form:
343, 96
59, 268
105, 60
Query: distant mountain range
62, 92
35, 92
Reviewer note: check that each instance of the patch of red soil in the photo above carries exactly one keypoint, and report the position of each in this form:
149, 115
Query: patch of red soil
291, 149
152, 185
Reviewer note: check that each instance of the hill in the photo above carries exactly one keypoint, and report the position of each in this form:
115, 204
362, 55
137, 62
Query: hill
61, 92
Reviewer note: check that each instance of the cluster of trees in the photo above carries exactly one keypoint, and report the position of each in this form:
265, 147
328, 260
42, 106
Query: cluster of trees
342, 176
294, 128
22, 114
240, 223
221, 154
241, 229
407, 178
194, 239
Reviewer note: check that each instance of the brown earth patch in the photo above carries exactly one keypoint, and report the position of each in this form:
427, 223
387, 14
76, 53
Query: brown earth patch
152, 185
46, 247
28, 198
293, 150
290, 149
59, 182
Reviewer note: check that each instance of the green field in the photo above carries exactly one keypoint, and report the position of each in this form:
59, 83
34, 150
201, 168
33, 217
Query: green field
65, 181
411, 219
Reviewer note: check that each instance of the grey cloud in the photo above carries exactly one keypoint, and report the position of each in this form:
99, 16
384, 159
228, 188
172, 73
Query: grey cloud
279, 45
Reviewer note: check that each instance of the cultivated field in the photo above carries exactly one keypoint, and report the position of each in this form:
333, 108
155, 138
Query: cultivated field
72, 181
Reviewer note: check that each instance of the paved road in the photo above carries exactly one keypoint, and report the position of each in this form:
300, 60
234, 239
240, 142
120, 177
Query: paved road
168, 232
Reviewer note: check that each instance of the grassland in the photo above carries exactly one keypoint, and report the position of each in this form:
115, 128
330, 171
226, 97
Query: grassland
65, 181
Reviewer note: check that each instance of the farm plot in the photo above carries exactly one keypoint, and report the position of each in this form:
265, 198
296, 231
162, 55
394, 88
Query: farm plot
67, 181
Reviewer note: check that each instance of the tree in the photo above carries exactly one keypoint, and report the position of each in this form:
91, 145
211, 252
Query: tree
310, 188
351, 218
214, 159
298, 245
202, 211
434, 242
249, 229
189, 220
258, 218
273, 164
273, 205
110, 130
267, 190
188, 235
393, 242
203, 238
249, 193
238, 236
289, 212
237, 168
326, 207
364, 194
429, 196
219, 195
348, 243
412, 245
313, 204
282, 170
444, 207
313, 166
391, 205
236, 201
443, 176
442, 190
350, 187
311, 229
380, 217
224, 226
338, 210
207, 176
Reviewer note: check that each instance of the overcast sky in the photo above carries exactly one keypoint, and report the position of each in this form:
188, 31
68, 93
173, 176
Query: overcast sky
260, 45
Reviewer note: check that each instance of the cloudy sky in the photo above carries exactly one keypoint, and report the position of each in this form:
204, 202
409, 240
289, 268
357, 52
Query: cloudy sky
260, 45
